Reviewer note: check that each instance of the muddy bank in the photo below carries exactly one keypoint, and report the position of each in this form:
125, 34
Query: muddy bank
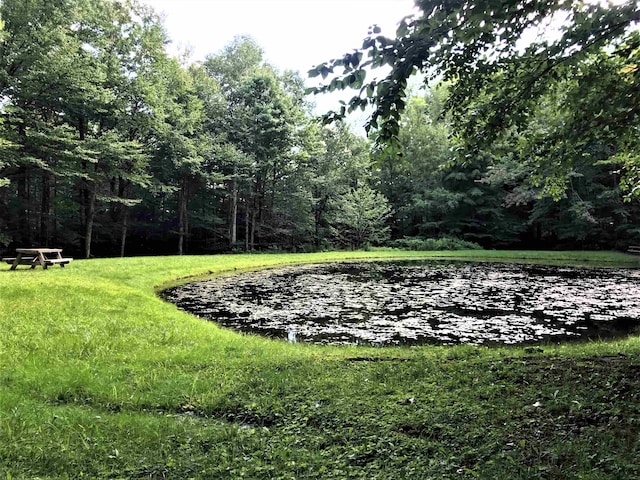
421, 302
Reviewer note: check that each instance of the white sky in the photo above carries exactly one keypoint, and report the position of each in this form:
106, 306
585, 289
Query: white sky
294, 34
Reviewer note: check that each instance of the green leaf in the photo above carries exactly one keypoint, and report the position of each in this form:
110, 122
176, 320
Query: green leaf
403, 28
370, 89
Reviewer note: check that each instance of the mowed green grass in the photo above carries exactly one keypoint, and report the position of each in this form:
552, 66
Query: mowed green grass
99, 378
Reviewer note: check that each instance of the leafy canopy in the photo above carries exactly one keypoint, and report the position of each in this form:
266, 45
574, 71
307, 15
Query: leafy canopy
484, 48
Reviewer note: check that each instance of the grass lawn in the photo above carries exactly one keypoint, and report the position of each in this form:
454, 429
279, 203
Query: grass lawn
101, 379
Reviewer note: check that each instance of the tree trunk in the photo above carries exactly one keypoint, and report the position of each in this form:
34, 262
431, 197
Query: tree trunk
246, 227
24, 210
90, 215
24, 204
123, 213
233, 233
54, 221
123, 231
45, 210
318, 214
87, 193
256, 210
183, 217
252, 241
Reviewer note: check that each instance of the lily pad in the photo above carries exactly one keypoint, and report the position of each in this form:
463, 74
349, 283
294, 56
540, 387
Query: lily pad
421, 302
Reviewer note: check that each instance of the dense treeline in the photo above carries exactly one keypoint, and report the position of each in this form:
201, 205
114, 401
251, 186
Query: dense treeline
497, 199
110, 147
542, 114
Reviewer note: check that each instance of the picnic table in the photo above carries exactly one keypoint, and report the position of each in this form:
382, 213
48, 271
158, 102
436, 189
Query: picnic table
37, 256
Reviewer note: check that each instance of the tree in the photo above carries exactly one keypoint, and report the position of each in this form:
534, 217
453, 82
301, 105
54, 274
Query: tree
30, 117
264, 110
562, 166
230, 68
70, 79
360, 217
4, 239
414, 180
184, 148
338, 161
497, 75
3, 143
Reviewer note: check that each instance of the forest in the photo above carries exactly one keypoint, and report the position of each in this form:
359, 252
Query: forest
111, 147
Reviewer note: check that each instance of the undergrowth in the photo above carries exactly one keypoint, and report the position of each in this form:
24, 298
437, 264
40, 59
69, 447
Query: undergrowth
101, 379
434, 244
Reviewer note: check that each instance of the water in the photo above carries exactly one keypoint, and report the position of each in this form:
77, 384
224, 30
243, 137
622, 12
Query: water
421, 302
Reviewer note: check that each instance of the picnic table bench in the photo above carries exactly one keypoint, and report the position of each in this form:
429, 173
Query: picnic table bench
37, 256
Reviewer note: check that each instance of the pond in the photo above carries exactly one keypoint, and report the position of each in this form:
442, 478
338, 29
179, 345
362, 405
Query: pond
421, 302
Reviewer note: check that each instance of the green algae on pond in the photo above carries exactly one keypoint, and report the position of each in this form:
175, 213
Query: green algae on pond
421, 302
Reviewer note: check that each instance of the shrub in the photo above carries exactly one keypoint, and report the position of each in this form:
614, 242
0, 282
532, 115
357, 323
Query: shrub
444, 243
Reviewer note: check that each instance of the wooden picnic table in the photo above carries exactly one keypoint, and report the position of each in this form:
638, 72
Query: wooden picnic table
37, 256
